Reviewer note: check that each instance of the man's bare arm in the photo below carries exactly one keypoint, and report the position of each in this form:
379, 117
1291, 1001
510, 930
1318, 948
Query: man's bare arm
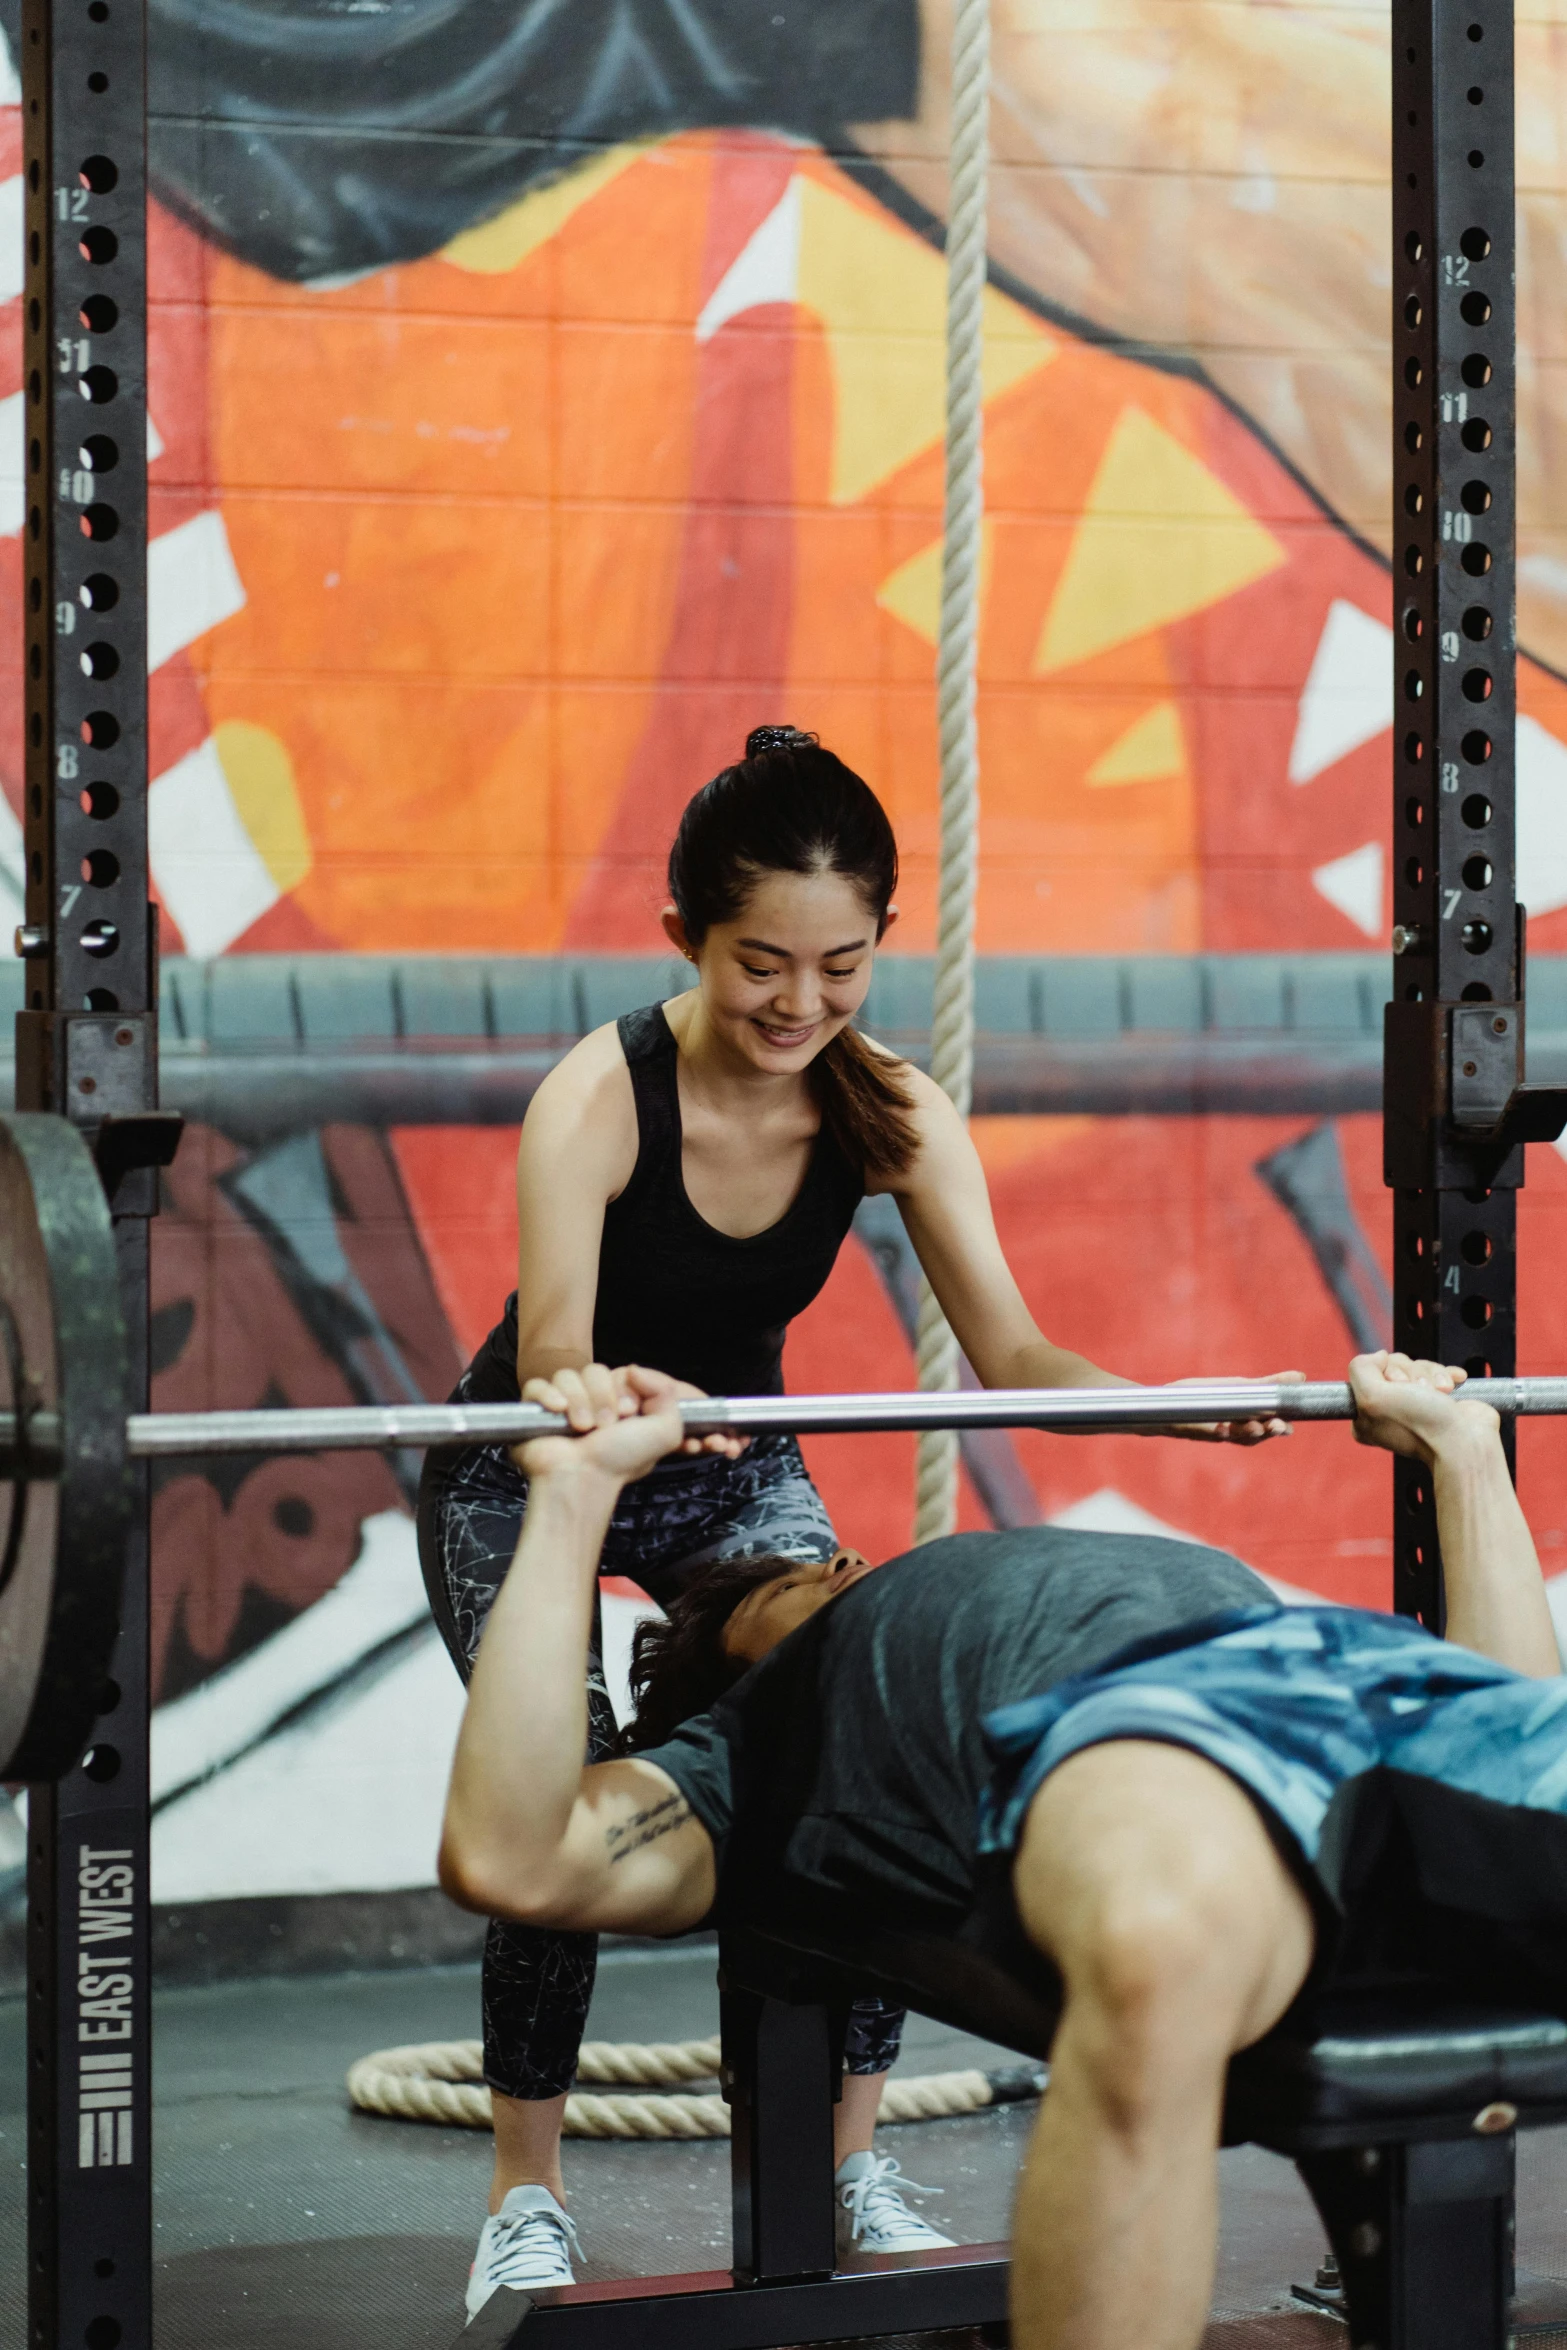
635, 1858
531, 1833
1496, 1600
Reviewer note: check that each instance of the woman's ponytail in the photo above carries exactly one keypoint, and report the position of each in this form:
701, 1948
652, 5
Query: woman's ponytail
866, 1102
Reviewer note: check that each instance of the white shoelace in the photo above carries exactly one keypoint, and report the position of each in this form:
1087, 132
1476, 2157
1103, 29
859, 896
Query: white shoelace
519, 2247
874, 2190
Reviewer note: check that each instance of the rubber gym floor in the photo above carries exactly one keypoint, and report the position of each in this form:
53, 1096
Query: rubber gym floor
283, 2218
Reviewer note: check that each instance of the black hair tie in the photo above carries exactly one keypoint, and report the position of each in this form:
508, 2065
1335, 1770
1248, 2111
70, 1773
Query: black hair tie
762, 739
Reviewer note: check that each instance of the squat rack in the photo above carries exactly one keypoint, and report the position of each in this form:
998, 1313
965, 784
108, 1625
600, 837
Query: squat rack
1456, 1107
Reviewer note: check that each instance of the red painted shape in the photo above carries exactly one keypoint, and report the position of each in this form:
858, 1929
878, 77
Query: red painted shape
460, 1183
284, 929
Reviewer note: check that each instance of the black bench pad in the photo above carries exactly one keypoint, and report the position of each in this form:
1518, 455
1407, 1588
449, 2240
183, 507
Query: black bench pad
1405, 2060
1396, 2058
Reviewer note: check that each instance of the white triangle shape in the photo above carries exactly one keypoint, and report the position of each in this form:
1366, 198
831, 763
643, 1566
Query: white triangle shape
1348, 697
13, 859
1542, 818
13, 464
1354, 885
1556, 1601
766, 269
1111, 1512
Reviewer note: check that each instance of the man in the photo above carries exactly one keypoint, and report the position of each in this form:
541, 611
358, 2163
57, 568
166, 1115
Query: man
1133, 1726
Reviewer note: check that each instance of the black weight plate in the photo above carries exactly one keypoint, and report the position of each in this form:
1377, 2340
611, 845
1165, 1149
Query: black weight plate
60, 1319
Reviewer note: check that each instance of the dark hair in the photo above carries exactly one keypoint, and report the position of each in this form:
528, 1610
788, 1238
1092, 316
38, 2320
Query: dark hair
790, 807
678, 1664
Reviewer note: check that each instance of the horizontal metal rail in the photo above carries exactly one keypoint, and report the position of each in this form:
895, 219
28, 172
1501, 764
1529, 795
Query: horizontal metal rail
255, 1095
1063, 1410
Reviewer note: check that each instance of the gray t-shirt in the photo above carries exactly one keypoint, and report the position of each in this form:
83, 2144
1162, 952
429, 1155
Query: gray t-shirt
850, 1762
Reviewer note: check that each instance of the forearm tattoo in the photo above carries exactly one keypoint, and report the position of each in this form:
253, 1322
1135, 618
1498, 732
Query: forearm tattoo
645, 1827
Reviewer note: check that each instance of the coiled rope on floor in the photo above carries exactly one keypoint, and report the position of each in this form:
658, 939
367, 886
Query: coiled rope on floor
441, 2081
962, 551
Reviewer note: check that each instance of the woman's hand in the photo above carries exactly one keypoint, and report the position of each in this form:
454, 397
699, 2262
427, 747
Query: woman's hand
623, 1421
1232, 1431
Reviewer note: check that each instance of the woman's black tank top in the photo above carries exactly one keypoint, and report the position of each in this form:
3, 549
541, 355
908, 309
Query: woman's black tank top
673, 1292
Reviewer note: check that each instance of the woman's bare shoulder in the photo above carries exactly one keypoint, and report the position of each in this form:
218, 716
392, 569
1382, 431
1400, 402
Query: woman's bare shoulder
593, 1057
586, 1099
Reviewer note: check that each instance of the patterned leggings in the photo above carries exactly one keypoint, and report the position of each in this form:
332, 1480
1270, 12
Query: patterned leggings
536, 1984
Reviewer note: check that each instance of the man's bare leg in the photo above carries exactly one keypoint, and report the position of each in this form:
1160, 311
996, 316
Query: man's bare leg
1146, 1874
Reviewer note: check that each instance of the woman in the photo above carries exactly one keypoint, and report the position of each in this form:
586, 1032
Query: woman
685, 1181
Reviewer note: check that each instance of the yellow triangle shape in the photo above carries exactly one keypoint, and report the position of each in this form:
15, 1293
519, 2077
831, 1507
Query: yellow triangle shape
912, 593
1152, 748
505, 241
881, 295
260, 776
1160, 538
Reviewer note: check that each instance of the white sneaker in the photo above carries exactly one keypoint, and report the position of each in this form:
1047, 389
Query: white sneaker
527, 2245
872, 2215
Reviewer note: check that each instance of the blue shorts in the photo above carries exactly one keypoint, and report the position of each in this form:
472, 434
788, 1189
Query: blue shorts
1403, 1774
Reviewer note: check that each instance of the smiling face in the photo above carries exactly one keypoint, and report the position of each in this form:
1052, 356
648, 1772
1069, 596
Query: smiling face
789, 971
773, 1610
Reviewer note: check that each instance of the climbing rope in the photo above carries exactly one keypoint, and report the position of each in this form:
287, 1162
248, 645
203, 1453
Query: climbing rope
442, 2081
952, 1026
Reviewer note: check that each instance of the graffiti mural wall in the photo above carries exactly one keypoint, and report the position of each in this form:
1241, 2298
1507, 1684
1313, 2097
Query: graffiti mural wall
542, 397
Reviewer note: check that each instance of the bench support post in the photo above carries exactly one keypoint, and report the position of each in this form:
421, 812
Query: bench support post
1424, 2238
779, 2077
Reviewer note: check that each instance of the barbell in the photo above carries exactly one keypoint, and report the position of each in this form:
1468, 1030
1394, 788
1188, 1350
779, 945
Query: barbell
69, 1445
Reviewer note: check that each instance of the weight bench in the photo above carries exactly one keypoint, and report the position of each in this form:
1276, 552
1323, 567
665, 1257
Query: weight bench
1398, 2106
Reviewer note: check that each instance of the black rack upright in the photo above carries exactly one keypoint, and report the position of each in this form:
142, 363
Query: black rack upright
1456, 1109
87, 1047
